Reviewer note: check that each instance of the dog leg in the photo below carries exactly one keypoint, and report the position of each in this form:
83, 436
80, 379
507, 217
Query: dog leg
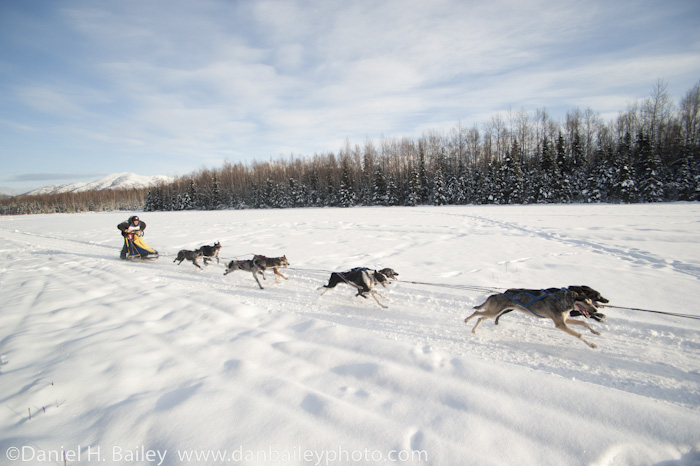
255, 276
582, 323
482, 316
561, 325
504, 312
478, 322
277, 272
488, 313
195, 263
374, 295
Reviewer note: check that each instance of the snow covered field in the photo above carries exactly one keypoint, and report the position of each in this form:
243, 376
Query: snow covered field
108, 362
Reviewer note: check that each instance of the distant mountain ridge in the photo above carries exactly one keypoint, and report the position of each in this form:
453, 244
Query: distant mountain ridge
123, 180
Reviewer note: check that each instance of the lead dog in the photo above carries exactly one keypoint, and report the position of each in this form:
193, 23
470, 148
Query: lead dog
553, 305
595, 297
273, 263
364, 280
247, 266
211, 251
189, 255
584, 292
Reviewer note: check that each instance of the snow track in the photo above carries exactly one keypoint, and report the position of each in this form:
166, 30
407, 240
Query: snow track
109, 353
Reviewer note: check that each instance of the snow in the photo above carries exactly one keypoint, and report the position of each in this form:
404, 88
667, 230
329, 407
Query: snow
147, 363
124, 180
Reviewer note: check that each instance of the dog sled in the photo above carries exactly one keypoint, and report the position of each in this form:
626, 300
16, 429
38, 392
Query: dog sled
137, 249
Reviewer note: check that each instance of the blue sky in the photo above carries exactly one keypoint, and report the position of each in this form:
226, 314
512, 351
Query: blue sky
168, 87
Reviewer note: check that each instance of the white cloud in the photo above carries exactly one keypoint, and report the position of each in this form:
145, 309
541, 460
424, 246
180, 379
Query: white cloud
267, 77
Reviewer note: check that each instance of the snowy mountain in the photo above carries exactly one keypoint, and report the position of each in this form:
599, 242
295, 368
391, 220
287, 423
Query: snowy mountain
114, 181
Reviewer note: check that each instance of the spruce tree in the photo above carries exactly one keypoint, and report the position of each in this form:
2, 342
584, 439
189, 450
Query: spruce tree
439, 188
216, 202
414, 189
379, 189
193, 195
564, 188
651, 187
346, 194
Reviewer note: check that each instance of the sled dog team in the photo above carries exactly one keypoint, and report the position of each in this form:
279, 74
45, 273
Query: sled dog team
557, 304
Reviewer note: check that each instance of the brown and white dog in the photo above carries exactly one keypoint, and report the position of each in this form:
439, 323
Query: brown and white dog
364, 280
586, 292
273, 263
554, 305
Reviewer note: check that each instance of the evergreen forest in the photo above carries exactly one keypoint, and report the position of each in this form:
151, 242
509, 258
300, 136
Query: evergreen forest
649, 153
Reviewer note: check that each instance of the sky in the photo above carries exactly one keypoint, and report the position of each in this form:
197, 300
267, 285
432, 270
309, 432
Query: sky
169, 87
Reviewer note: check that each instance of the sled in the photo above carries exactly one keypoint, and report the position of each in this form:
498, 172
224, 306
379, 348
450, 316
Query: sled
137, 249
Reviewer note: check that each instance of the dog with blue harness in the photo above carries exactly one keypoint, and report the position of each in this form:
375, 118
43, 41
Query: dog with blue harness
584, 292
554, 304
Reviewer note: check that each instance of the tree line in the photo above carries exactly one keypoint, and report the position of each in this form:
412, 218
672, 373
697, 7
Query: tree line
649, 153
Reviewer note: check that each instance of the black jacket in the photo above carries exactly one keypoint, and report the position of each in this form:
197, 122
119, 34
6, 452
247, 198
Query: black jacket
124, 226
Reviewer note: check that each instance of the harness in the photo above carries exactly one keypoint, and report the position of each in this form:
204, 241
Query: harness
357, 269
534, 299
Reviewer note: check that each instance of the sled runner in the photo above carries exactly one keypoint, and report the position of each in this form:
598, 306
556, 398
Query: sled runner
137, 249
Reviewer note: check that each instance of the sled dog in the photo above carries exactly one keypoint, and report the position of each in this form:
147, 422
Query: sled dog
364, 280
189, 255
273, 263
247, 266
210, 252
584, 292
553, 305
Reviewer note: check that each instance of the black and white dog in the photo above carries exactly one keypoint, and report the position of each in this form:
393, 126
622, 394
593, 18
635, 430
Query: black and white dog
210, 252
364, 280
189, 255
